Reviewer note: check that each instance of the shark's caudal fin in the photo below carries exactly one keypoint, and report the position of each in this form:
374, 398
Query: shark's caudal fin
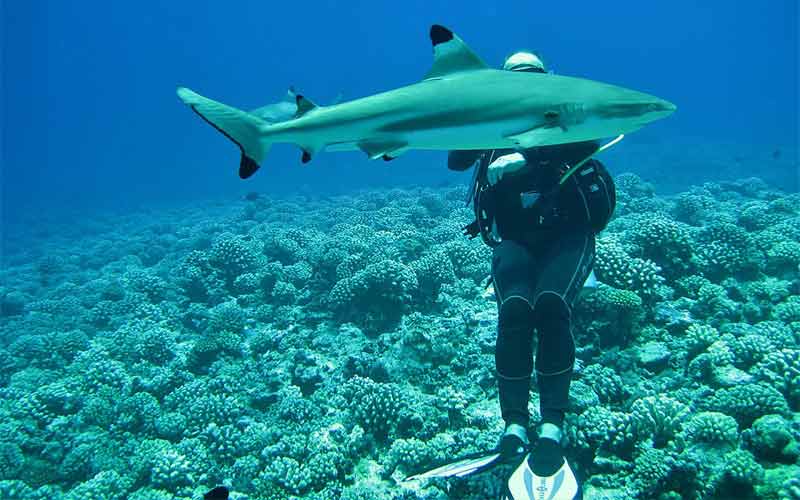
245, 129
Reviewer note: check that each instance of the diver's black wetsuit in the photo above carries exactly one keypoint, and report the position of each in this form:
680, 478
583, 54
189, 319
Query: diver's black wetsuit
544, 254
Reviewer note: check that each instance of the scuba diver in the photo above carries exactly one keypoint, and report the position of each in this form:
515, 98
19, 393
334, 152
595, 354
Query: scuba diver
539, 209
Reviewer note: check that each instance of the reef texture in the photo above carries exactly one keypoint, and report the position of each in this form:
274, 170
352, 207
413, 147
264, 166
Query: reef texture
323, 348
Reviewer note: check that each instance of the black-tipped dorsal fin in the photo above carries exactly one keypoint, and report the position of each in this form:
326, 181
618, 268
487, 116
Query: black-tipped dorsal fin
451, 54
304, 105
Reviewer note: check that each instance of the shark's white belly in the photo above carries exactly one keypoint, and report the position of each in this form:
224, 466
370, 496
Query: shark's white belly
484, 135
478, 135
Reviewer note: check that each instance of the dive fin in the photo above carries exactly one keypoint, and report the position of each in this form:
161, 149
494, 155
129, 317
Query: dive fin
244, 129
451, 54
465, 466
523, 484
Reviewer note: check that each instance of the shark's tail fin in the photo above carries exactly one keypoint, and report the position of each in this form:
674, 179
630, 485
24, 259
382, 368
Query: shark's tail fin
243, 128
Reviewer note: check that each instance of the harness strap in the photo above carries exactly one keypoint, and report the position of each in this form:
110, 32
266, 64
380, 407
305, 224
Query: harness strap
578, 165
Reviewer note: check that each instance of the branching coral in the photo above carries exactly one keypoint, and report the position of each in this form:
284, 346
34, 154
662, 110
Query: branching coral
658, 418
747, 402
615, 267
379, 292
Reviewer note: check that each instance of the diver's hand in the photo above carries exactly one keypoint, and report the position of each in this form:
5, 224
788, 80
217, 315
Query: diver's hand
504, 165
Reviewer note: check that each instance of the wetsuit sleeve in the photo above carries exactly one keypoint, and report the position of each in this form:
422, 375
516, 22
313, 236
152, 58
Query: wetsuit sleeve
462, 160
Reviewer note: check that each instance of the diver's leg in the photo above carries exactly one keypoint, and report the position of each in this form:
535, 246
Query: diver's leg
511, 270
564, 271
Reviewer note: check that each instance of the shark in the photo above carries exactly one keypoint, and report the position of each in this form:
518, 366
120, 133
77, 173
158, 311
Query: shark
460, 104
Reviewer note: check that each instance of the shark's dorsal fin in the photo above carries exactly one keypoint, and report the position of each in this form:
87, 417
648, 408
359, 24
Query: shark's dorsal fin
304, 105
451, 54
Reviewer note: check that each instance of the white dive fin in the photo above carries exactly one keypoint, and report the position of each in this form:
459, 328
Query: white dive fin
451, 54
243, 128
525, 485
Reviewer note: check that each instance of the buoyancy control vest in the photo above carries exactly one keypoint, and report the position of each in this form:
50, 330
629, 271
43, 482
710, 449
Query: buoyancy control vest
547, 194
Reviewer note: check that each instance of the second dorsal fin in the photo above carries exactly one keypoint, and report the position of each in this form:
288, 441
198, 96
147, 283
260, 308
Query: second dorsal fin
304, 105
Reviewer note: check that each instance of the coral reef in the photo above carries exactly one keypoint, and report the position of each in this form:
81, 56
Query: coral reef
324, 348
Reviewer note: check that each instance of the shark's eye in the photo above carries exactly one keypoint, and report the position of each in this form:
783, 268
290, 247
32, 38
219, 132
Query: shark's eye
551, 115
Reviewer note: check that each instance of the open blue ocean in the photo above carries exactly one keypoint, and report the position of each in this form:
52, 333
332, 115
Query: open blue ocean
323, 329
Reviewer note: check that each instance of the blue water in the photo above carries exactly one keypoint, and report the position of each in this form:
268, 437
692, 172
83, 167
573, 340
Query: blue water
91, 119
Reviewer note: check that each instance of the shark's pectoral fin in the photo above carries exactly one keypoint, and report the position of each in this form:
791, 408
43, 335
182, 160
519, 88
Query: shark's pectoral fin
451, 54
383, 149
550, 132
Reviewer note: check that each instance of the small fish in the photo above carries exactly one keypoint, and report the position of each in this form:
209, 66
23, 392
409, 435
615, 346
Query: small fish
776, 154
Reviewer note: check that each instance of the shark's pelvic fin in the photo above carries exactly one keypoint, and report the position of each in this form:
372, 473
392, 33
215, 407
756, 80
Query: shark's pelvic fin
531, 137
451, 54
244, 129
383, 149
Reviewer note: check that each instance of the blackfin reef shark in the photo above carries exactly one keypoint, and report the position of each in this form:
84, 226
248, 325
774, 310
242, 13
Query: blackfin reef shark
461, 103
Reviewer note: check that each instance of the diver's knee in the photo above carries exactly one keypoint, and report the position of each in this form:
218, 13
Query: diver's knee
549, 306
515, 312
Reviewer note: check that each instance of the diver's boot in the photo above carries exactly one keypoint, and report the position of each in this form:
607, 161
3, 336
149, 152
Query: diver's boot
513, 443
546, 455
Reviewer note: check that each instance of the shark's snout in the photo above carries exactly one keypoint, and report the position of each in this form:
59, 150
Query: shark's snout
665, 106
658, 110
642, 111
662, 106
